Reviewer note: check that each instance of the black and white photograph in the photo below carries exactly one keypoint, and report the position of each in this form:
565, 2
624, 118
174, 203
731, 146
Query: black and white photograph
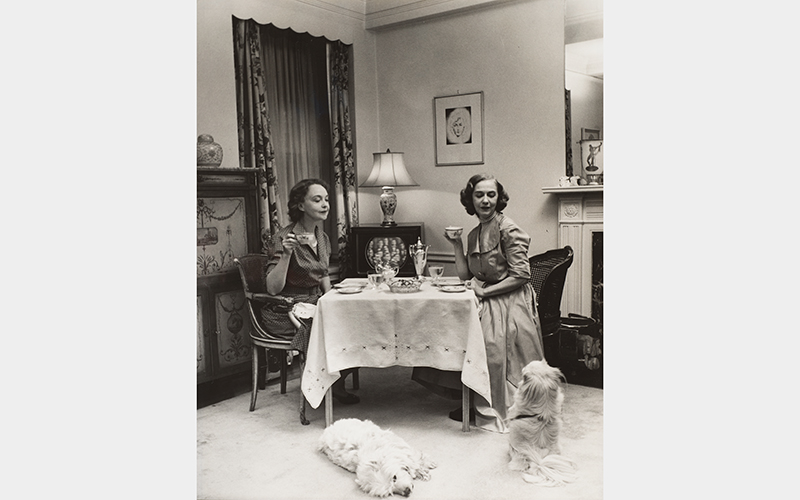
345, 249
466, 361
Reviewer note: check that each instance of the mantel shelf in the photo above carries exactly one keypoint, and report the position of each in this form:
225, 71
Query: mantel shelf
573, 189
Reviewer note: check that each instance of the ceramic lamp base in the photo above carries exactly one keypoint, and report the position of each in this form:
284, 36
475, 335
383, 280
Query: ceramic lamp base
388, 205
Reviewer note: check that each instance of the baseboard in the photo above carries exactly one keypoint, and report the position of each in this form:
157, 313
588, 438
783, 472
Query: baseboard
213, 392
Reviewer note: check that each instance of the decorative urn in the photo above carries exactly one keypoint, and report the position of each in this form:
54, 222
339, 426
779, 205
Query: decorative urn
209, 153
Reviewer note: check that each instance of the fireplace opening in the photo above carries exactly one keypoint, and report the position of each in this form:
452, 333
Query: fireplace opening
597, 279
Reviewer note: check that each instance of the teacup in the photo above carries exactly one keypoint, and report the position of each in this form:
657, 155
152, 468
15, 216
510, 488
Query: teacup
453, 231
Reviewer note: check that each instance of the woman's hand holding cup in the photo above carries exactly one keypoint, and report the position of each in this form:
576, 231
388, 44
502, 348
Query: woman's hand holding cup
290, 242
453, 233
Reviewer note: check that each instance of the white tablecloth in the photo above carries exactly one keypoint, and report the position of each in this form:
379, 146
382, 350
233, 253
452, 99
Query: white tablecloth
378, 328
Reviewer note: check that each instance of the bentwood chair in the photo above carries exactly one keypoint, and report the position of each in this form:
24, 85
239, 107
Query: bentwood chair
548, 275
252, 270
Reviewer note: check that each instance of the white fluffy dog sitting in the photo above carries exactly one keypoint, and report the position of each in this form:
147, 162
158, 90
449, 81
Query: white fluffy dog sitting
534, 423
384, 464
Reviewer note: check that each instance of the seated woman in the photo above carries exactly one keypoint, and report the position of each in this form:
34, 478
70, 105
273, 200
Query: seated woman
300, 269
496, 260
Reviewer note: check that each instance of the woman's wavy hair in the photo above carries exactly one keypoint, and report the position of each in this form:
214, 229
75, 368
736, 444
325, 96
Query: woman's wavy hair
298, 194
466, 193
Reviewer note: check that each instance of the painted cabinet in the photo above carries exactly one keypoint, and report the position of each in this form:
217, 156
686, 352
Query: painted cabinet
227, 227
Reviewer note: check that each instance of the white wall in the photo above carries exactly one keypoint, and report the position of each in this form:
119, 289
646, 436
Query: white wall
514, 53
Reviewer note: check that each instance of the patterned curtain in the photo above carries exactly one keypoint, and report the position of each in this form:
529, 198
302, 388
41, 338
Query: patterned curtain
568, 122
344, 174
255, 145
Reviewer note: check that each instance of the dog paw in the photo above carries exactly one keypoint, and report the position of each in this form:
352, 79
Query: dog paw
426, 462
423, 475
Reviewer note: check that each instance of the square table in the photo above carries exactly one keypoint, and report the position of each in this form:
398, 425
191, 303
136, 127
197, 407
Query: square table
379, 328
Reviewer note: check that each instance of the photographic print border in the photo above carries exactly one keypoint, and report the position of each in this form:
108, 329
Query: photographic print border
448, 108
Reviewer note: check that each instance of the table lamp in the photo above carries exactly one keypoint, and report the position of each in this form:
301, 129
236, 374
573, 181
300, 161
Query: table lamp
388, 171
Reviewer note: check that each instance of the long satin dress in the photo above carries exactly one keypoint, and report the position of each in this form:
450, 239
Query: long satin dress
511, 330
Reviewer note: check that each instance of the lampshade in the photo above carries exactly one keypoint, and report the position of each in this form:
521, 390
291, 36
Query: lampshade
388, 169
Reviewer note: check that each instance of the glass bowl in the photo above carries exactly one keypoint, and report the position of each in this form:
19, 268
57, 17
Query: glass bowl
404, 285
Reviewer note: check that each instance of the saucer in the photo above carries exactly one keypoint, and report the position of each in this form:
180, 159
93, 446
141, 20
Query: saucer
453, 288
449, 281
349, 289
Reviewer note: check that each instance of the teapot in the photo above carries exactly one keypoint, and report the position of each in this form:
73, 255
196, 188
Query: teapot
419, 254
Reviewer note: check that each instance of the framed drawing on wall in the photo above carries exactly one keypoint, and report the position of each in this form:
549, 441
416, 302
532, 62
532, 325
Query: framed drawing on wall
459, 129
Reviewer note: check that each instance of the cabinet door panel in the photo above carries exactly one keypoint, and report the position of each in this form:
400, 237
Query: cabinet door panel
232, 328
221, 233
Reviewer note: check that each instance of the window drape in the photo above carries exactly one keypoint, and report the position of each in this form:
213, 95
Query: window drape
344, 173
294, 121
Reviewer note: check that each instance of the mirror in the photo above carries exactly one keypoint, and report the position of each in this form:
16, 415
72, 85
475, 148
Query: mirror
583, 75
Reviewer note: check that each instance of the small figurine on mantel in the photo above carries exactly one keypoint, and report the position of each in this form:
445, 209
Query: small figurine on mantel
592, 160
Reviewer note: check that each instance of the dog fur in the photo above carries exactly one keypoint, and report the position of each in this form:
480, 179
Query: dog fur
534, 422
383, 462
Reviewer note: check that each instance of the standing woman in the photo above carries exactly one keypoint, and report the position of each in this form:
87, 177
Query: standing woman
298, 266
496, 260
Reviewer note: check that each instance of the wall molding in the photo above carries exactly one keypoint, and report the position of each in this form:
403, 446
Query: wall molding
390, 13
350, 8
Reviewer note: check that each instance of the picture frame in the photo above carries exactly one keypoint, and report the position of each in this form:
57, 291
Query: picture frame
591, 134
459, 129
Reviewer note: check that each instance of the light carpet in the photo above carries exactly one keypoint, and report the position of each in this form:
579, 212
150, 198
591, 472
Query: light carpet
267, 454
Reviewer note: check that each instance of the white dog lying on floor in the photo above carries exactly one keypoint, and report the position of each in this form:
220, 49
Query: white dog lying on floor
384, 464
534, 423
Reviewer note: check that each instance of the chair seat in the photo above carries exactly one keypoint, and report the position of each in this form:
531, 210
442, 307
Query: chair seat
271, 343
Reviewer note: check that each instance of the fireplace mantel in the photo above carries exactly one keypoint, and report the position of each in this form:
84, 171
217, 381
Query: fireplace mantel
573, 189
580, 214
